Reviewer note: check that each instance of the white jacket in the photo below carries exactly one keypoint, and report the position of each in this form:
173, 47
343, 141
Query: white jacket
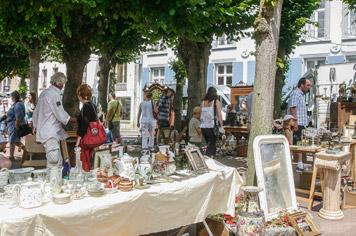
49, 116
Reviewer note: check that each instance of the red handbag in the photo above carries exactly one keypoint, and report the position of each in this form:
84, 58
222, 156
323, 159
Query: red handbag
95, 135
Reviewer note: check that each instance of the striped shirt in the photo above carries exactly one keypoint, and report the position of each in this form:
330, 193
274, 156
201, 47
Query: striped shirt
164, 108
297, 100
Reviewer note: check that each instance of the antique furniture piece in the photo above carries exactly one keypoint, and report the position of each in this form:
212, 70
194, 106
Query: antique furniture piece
31, 148
238, 94
274, 174
340, 114
311, 191
330, 164
239, 132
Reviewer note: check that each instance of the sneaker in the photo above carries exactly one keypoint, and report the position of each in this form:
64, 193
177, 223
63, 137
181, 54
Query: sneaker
299, 170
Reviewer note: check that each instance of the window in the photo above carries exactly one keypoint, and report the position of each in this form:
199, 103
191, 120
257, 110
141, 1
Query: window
312, 63
224, 74
157, 74
126, 108
44, 78
319, 30
121, 73
351, 23
223, 41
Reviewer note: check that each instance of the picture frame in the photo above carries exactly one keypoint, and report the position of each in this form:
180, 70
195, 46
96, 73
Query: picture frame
196, 160
103, 149
303, 224
274, 175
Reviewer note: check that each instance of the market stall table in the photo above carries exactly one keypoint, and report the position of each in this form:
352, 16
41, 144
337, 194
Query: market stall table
161, 207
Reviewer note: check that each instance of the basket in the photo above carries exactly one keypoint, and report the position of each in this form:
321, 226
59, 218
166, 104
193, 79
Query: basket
4, 177
241, 149
19, 176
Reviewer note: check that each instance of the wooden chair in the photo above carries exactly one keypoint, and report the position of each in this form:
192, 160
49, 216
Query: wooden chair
32, 147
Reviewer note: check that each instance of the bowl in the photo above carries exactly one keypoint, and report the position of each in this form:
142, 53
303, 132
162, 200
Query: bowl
19, 176
61, 198
96, 192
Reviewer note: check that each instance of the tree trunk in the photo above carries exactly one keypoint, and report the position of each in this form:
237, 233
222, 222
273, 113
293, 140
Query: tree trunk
278, 88
75, 60
103, 85
267, 27
178, 103
195, 56
34, 55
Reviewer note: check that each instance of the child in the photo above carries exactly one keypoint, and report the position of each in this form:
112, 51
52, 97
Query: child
145, 115
288, 124
194, 128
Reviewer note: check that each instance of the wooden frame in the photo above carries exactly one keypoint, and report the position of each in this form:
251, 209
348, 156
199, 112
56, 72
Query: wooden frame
303, 224
269, 174
104, 149
196, 160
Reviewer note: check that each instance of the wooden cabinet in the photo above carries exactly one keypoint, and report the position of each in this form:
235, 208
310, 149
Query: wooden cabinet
340, 113
238, 93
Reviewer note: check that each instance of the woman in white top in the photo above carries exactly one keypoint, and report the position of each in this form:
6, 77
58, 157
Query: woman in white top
209, 118
148, 122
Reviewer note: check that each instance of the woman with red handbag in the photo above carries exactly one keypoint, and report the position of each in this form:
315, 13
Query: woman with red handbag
87, 115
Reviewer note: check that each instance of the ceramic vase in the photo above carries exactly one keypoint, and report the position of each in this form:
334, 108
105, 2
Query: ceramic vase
250, 219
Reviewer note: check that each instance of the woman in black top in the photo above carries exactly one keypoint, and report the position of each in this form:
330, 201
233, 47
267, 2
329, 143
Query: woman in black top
87, 114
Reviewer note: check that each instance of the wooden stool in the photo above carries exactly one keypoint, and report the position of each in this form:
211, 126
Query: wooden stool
331, 167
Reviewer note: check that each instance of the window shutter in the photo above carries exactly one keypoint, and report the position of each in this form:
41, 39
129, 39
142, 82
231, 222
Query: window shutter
294, 73
237, 72
251, 65
210, 75
168, 75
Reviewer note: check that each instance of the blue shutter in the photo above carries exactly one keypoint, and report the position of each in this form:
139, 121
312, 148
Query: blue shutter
251, 66
330, 60
237, 72
210, 75
294, 73
168, 75
145, 77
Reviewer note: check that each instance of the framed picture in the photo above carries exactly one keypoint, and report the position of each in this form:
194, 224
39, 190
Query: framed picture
303, 224
196, 160
274, 175
103, 149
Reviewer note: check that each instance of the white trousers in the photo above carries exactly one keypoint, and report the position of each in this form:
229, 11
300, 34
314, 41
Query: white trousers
53, 153
148, 131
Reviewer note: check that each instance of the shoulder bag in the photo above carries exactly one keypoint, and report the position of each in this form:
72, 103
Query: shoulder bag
216, 126
95, 135
111, 125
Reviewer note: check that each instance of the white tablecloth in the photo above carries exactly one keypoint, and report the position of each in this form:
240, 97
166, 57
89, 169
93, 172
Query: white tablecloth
162, 207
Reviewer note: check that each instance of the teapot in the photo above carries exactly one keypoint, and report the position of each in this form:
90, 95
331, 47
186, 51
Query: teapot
126, 166
30, 194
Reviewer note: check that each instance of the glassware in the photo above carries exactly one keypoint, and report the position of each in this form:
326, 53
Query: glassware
77, 173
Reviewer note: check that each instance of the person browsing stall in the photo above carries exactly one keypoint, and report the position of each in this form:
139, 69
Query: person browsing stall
48, 119
113, 117
298, 109
195, 134
146, 121
87, 114
288, 126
